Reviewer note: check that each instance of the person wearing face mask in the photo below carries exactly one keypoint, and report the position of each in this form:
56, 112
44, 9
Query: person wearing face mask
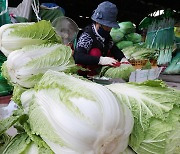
95, 47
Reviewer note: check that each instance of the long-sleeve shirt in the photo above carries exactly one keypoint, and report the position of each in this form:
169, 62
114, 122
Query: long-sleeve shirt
90, 39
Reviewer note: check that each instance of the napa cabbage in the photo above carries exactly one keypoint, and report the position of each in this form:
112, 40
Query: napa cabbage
156, 111
123, 71
76, 116
123, 44
127, 27
26, 66
134, 37
16, 36
116, 34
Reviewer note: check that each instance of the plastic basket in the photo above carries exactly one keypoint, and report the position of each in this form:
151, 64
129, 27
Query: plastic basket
138, 64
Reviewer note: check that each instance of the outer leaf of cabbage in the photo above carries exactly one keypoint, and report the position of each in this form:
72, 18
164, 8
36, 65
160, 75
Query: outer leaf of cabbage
16, 96
18, 144
156, 111
16, 36
123, 71
76, 116
134, 37
27, 65
116, 34
4, 140
124, 44
22, 144
127, 27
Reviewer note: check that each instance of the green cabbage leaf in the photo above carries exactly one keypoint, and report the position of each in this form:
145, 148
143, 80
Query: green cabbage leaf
123, 44
26, 66
22, 144
16, 36
156, 111
123, 71
134, 37
116, 34
127, 27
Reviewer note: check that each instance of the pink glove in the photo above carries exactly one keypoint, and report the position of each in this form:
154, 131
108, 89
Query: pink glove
107, 61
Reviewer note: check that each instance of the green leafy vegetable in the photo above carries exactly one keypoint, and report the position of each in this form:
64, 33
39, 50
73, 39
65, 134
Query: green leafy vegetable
147, 66
27, 65
83, 118
124, 44
116, 34
123, 71
156, 111
4, 140
22, 144
174, 66
139, 51
127, 27
134, 37
16, 36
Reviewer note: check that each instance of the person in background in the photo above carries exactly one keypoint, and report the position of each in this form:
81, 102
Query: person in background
95, 47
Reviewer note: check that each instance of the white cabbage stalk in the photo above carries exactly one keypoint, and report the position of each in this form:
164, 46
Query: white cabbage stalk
32, 149
16, 36
75, 116
27, 65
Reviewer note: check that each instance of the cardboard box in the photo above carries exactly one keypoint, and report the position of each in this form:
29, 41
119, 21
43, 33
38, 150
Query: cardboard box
143, 75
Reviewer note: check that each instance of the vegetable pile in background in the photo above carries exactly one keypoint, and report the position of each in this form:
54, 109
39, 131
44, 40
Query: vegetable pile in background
131, 44
160, 36
125, 35
177, 36
139, 52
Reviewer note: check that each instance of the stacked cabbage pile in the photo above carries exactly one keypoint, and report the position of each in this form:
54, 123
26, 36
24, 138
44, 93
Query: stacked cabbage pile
32, 49
125, 35
65, 114
57, 112
62, 113
140, 52
71, 115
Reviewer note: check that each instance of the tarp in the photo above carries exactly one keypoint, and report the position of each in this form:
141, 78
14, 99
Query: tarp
4, 14
5, 88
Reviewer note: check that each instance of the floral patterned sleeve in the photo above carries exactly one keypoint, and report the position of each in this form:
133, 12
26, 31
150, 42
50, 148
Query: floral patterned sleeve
81, 54
85, 41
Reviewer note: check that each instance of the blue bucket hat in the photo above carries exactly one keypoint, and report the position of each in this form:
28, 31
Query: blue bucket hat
106, 14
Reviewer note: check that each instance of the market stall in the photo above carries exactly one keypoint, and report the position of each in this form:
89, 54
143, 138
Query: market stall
48, 108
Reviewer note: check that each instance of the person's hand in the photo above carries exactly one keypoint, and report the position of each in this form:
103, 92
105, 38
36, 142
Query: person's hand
124, 61
107, 61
